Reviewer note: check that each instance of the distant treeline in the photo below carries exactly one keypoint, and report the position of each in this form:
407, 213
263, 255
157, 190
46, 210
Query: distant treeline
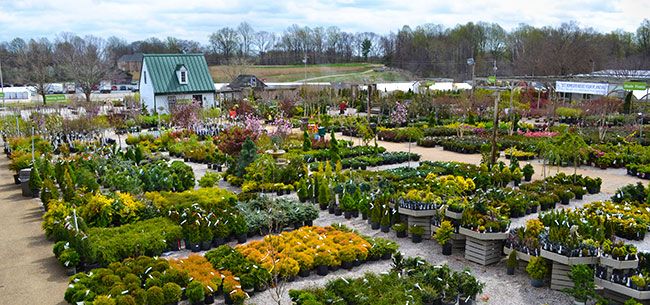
428, 50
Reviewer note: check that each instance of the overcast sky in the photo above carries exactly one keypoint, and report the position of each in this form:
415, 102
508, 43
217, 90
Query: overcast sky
196, 19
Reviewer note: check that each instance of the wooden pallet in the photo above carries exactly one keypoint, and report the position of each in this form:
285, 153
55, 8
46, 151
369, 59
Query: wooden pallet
560, 276
484, 252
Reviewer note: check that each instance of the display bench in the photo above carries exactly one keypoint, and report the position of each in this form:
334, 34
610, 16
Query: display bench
562, 268
483, 248
618, 293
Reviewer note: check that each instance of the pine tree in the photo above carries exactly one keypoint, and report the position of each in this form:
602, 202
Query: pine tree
35, 181
247, 155
67, 188
306, 141
334, 149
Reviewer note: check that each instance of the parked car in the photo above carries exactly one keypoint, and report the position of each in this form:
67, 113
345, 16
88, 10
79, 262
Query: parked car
105, 89
135, 88
114, 88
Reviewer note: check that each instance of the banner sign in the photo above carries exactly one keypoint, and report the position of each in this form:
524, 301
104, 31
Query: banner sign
55, 97
629, 86
584, 88
492, 79
2, 94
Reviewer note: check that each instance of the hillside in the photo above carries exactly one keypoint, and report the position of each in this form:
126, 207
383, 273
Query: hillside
353, 72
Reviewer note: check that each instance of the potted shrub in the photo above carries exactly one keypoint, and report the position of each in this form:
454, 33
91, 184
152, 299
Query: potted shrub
195, 293
239, 228
416, 233
400, 230
347, 257
429, 296
565, 195
638, 282
578, 191
528, 172
516, 176
468, 287
322, 260
35, 182
385, 222
155, 296
375, 217
583, 284
537, 269
303, 191
443, 236
172, 293
69, 258
511, 263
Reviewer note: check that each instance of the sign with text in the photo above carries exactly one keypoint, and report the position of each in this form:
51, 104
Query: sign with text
584, 88
629, 86
55, 97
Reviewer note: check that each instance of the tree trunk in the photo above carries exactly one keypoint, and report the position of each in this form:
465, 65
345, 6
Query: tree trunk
87, 94
43, 95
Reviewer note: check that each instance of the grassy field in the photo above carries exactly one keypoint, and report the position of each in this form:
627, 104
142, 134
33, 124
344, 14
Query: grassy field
353, 72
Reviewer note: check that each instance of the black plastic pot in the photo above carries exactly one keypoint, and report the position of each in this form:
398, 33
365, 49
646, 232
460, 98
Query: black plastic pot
364, 216
347, 214
385, 229
322, 270
297, 225
401, 234
537, 283
241, 238
564, 201
446, 249
338, 212
16, 180
309, 223
347, 265
528, 178
209, 299
374, 225
416, 238
206, 245
355, 213
510, 270
195, 247
579, 196
303, 273
386, 255
218, 241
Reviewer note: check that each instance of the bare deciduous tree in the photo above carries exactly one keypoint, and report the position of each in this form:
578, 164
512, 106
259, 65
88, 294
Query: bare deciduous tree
36, 64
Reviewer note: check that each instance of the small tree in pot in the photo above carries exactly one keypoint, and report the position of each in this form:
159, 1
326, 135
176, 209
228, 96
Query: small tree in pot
416, 233
583, 284
195, 293
443, 236
468, 287
511, 263
400, 230
537, 269
528, 172
385, 222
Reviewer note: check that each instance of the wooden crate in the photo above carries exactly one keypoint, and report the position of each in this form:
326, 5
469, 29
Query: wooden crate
622, 293
484, 252
560, 276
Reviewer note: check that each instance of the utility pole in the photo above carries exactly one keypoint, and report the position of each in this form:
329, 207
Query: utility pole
470, 61
495, 125
2, 85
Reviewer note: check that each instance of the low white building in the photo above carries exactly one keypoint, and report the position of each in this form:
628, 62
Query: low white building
170, 79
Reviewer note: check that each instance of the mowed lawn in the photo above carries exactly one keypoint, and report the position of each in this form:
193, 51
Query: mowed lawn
289, 73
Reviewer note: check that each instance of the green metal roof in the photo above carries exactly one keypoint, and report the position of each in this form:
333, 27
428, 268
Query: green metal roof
162, 73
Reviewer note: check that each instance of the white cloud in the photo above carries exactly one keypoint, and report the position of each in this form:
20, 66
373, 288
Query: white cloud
196, 19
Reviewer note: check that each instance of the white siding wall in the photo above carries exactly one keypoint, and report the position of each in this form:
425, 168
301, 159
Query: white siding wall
146, 89
161, 100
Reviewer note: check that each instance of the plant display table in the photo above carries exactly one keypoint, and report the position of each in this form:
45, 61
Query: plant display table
618, 293
483, 248
520, 255
562, 267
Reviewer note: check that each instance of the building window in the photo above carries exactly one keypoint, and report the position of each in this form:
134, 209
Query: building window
145, 77
183, 77
171, 102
